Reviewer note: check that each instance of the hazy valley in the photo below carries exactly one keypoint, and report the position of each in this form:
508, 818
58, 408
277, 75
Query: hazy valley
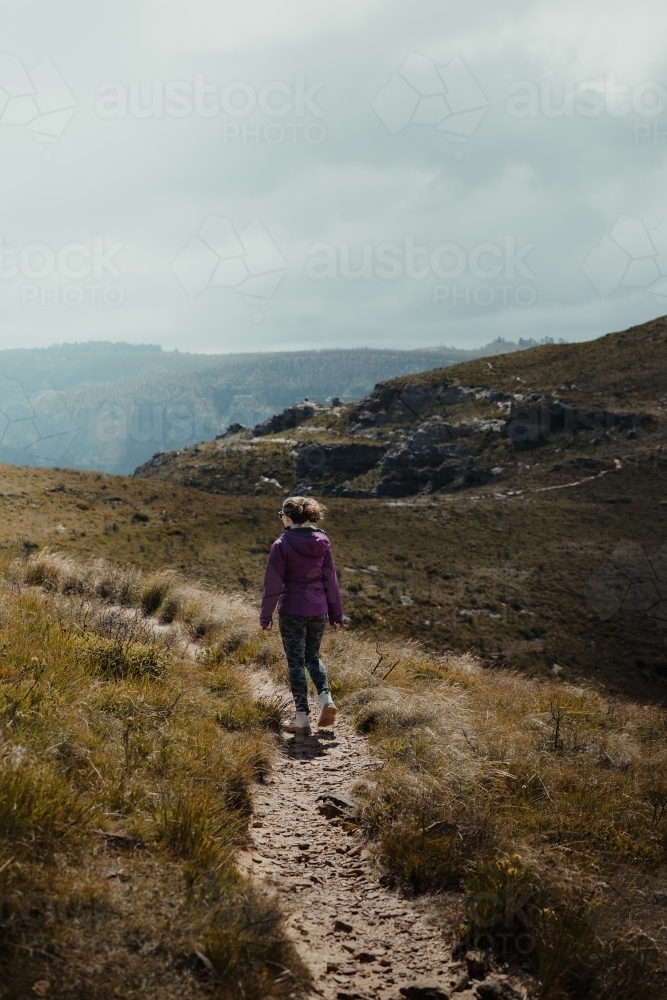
109, 407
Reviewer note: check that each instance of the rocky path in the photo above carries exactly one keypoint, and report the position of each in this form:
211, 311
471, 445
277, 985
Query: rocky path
360, 940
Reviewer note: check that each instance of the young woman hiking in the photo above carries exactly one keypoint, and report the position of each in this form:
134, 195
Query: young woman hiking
301, 580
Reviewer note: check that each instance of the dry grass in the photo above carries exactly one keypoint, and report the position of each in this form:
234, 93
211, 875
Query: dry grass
106, 727
507, 577
536, 813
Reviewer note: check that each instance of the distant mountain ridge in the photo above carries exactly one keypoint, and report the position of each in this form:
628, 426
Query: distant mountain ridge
110, 407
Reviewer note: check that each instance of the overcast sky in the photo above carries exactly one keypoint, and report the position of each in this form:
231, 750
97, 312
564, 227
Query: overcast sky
225, 175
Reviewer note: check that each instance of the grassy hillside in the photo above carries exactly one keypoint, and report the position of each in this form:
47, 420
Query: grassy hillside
508, 577
531, 808
517, 562
533, 812
630, 365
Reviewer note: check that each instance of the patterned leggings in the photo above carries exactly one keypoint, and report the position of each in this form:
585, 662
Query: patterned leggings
302, 637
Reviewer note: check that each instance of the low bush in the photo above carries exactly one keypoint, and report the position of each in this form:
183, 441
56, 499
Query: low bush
384, 712
89, 768
527, 801
426, 840
153, 593
574, 938
39, 809
196, 825
227, 680
199, 620
232, 640
119, 586
264, 713
170, 609
53, 572
118, 660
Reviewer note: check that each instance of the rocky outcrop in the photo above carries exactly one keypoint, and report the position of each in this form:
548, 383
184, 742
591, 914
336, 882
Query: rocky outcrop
291, 417
231, 431
327, 464
435, 433
408, 470
387, 404
429, 460
528, 426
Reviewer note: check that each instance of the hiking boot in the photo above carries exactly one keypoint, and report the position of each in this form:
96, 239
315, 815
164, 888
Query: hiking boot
300, 726
327, 715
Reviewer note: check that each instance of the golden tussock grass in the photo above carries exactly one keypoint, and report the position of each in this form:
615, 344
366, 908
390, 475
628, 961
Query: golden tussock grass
533, 813
124, 796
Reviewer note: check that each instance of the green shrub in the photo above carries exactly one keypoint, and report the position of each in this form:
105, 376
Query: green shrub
264, 713
197, 825
421, 840
572, 941
170, 609
118, 660
54, 571
199, 621
241, 644
380, 713
38, 807
227, 680
153, 593
117, 585
232, 640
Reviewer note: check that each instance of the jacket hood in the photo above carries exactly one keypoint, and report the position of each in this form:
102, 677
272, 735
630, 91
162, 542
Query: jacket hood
307, 541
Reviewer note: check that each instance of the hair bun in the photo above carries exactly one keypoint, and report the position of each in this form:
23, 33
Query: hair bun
302, 509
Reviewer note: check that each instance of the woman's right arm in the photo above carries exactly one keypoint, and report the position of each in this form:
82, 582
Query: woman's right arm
273, 584
332, 590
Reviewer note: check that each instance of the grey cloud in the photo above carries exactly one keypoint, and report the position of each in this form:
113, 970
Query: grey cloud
557, 184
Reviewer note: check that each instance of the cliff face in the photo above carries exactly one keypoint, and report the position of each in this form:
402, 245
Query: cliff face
550, 411
407, 441
109, 407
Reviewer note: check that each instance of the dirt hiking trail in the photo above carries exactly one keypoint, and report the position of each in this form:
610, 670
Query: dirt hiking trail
360, 939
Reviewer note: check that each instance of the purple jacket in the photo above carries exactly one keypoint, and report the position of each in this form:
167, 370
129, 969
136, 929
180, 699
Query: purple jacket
301, 577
